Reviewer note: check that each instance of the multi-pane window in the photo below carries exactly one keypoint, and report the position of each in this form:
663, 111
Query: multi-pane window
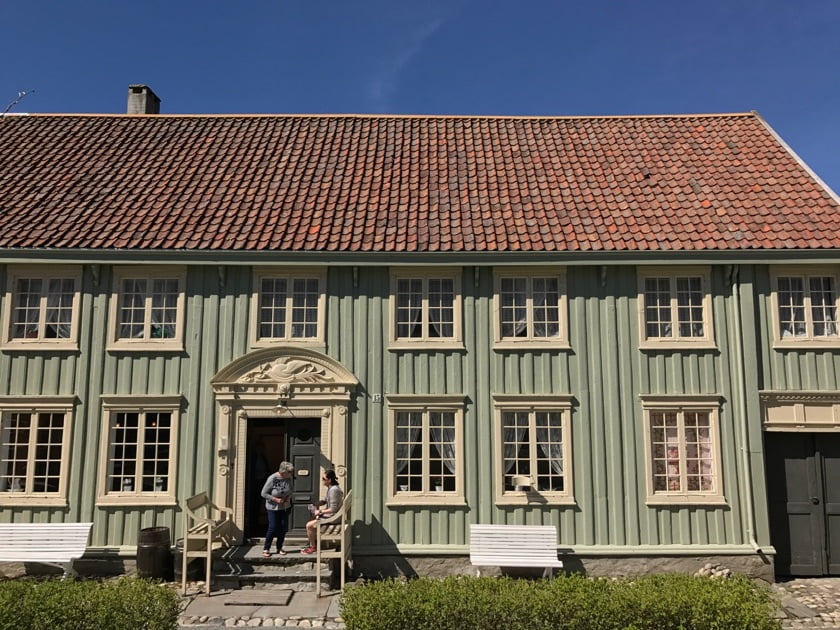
288, 307
148, 308
31, 452
533, 447
683, 453
42, 307
140, 450
426, 308
530, 307
675, 307
426, 451
807, 307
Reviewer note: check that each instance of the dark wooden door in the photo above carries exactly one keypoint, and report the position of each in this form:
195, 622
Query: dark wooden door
304, 448
803, 480
829, 450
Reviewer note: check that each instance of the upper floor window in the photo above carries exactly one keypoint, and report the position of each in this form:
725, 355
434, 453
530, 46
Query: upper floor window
34, 450
139, 438
806, 305
426, 308
289, 306
531, 308
426, 449
149, 308
676, 308
534, 437
42, 307
683, 450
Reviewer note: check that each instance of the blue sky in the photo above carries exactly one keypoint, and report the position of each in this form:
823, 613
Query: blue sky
586, 57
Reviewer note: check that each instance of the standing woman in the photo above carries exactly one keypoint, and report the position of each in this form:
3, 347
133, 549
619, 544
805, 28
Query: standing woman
277, 493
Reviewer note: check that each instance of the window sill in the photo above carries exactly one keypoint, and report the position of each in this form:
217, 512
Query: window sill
36, 346
425, 345
806, 344
683, 499
19, 499
530, 345
408, 499
146, 346
123, 500
678, 345
269, 343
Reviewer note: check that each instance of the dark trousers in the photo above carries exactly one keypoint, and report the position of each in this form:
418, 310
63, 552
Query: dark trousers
278, 525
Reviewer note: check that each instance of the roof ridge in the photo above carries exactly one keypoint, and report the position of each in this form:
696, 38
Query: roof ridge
404, 116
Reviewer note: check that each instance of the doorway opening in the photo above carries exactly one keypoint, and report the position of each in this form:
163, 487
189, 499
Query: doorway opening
269, 442
803, 481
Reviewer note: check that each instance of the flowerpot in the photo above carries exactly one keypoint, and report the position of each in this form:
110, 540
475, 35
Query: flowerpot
438, 488
403, 488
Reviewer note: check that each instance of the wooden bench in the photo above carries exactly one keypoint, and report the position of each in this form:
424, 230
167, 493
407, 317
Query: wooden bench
514, 546
55, 544
334, 540
206, 525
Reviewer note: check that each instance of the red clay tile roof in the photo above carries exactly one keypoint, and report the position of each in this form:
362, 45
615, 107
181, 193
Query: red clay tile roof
406, 184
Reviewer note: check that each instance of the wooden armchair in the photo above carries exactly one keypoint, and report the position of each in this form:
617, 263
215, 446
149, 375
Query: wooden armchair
205, 525
334, 540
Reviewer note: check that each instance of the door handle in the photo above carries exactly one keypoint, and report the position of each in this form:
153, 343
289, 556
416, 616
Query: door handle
815, 500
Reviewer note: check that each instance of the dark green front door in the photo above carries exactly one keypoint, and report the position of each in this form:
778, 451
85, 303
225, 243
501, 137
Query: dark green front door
803, 481
304, 448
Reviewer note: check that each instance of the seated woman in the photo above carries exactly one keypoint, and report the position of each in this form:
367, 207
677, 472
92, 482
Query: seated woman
330, 505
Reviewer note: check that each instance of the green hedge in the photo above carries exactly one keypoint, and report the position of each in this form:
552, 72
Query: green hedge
658, 602
87, 605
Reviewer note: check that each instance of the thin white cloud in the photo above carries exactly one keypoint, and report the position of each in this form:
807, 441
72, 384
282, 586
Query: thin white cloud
385, 81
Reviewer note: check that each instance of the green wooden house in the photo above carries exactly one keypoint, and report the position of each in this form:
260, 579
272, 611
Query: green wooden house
625, 327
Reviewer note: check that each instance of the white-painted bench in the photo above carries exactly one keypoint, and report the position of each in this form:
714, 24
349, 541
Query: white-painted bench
514, 546
55, 544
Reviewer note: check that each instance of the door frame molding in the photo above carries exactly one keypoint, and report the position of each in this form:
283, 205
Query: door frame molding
277, 382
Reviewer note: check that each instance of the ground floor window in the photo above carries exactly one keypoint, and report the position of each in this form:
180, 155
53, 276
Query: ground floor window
683, 453
140, 447
34, 443
426, 447
534, 453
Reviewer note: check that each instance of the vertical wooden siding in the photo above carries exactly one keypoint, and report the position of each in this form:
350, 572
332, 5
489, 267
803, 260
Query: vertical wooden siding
604, 371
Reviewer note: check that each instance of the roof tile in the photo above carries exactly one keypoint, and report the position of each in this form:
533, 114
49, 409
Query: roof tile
406, 184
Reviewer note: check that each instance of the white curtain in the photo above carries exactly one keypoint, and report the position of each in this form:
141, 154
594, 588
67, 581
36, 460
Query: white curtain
513, 437
549, 445
446, 438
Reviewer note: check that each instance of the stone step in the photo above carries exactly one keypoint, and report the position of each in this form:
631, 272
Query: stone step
271, 574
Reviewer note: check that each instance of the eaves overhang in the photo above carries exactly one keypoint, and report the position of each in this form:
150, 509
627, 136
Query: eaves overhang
379, 258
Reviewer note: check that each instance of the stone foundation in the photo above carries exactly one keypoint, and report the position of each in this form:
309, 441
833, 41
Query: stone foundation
754, 566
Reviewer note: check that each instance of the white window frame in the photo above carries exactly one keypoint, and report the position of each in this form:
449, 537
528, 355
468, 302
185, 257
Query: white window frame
426, 404
43, 273
530, 341
35, 405
676, 341
680, 405
112, 405
425, 275
147, 342
805, 273
290, 275
533, 404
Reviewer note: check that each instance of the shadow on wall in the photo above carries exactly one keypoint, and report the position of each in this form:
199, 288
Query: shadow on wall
388, 562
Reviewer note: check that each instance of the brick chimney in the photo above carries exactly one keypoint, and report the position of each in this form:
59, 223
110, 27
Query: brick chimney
141, 100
